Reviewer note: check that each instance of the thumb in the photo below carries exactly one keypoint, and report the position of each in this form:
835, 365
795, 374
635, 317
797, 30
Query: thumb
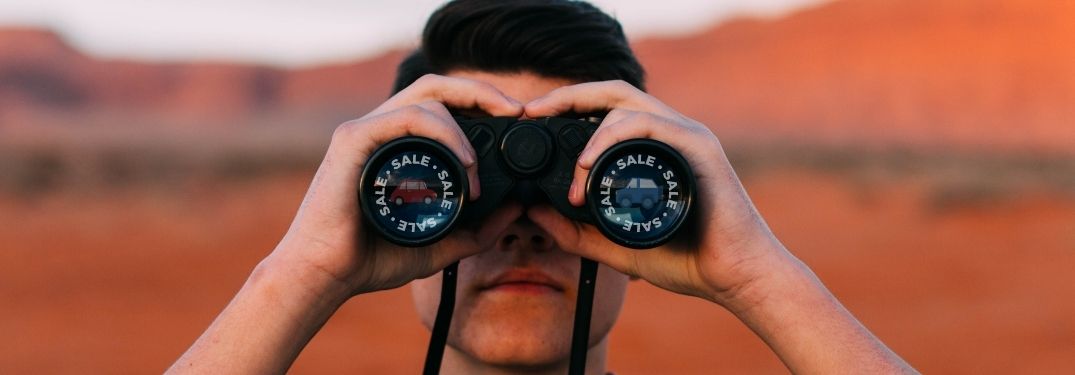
583, 240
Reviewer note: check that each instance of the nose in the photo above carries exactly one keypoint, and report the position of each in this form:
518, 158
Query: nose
524, 235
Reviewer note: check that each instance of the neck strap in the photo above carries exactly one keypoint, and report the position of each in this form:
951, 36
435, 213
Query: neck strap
580, 334
443, 321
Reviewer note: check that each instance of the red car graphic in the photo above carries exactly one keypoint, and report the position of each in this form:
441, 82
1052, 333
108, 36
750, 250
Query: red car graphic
412, 191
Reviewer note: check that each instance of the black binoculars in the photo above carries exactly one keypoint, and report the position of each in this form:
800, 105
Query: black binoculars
413, 190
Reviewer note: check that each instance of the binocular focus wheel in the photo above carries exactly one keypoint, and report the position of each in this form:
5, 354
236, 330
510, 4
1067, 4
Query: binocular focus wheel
412, 191
639, 193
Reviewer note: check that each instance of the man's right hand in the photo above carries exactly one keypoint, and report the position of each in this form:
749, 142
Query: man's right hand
327, 235
327, 256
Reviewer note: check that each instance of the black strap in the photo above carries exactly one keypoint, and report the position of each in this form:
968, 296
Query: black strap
580, 335
443, 321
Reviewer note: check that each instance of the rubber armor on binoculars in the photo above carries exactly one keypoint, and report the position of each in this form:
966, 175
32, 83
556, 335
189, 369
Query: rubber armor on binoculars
638, 194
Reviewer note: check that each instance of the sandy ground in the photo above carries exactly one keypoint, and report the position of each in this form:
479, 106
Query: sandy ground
124, 284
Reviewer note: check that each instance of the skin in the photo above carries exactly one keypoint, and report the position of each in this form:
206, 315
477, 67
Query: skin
539, 323
326, 257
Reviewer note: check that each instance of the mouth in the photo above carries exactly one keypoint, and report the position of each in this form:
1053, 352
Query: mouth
523, 281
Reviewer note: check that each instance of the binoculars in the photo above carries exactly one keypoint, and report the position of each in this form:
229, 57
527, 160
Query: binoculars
413, 190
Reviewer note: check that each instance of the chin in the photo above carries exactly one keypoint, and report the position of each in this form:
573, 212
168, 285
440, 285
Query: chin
521, 333
516, 349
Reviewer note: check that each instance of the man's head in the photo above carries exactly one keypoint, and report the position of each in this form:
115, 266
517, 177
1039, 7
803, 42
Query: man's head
515, 303
571, 40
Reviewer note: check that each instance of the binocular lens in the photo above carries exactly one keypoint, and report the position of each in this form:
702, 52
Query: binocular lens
640, 193
412, 191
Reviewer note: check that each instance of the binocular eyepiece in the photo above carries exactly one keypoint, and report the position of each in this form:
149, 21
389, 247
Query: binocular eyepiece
413, 190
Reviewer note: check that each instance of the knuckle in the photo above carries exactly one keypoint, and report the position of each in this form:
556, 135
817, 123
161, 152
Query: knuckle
435, 108
428, 104
417, 88
620, 85
345, 129
617, 113
428, 79
411, 112
484, 86
699, 129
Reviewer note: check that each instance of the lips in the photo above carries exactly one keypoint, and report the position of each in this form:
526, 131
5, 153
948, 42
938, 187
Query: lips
523, 280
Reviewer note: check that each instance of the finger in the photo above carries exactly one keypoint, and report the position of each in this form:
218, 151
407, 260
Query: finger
461, 93
354, 141
583, 240
410, 121
577, 192
639, 125
440, 111
593, 97
465, 243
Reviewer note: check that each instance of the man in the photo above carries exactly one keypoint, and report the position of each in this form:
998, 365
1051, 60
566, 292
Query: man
519, 267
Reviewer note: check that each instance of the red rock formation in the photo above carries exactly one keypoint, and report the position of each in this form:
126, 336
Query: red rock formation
40, 71
972, 74
968, 73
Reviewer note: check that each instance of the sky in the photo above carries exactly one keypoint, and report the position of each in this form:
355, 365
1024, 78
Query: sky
310, 32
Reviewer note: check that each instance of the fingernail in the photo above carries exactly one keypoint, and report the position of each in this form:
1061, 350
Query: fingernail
583, 156
574, 190
468, 157
476, 187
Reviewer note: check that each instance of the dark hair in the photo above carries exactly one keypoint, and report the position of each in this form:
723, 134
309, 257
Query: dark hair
554, 38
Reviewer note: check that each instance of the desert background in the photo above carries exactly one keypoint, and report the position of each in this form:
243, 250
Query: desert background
918, 155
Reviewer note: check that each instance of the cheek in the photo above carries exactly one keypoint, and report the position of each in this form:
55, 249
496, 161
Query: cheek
426, 292
426, 295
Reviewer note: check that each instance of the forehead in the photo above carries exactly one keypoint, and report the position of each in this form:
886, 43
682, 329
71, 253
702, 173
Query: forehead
524, 86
